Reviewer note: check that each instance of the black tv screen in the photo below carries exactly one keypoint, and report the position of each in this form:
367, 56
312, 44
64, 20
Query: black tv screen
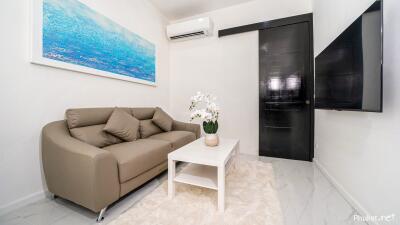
348, 73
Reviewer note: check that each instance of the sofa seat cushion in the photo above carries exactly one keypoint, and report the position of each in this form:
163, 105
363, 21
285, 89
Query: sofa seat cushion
177, 139
137, 157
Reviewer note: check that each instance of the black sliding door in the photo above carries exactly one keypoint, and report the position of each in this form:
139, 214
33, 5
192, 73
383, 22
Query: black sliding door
286, 91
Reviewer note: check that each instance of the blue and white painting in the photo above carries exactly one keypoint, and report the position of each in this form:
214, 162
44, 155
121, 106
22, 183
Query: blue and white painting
75, 34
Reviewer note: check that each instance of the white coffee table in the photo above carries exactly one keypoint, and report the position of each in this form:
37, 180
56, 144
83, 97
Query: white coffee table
207, 166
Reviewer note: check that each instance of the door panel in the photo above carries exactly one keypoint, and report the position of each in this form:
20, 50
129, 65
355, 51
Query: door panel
286, 90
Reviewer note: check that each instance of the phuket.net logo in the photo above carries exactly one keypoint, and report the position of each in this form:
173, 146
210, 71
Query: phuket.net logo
383, 218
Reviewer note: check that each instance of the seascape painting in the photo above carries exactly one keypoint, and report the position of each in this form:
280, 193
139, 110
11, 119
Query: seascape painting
74, 36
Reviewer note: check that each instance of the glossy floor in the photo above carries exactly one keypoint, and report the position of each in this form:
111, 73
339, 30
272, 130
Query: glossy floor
306, 197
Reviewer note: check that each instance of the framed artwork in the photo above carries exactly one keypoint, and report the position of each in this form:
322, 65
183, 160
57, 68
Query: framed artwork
70, 35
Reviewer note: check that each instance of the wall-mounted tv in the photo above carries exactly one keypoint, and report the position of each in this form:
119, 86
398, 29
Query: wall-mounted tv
348, 73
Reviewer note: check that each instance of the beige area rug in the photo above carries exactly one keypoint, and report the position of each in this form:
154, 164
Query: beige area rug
250, 199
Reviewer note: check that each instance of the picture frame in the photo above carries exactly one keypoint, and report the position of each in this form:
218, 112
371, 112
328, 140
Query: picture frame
68, 34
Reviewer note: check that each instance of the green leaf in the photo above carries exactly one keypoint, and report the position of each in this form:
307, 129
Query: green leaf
210, 127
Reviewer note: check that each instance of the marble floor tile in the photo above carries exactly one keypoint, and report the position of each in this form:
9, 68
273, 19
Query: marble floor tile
306, 198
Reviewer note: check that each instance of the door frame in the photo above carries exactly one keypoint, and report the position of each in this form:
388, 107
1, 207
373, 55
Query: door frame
283, 22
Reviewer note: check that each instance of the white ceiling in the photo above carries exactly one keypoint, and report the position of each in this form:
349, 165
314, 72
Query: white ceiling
178, 9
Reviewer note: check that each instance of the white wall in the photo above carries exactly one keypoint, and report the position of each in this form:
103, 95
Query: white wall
227, 67
32, 95
361, 150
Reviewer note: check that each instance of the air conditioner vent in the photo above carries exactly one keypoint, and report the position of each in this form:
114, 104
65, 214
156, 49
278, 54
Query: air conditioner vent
191, 29
188, 35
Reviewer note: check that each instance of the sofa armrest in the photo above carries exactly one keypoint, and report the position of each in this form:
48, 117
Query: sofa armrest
195, 128
77, 171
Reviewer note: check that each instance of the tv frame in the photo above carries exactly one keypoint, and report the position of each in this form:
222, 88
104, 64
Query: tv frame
381, 69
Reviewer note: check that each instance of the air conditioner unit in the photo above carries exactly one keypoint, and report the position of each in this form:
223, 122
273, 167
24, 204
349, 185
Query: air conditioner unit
197, 28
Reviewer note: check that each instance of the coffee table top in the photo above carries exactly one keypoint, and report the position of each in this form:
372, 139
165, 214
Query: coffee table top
197, 152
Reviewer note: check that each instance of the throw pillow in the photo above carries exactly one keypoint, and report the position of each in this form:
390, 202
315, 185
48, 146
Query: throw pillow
94, 135
122, 125
162, 119
148, 128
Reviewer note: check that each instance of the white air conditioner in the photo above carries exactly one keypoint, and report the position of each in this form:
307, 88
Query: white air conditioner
191, 29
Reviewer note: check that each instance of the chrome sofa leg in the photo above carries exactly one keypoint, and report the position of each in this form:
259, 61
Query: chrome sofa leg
101, 215
53, 196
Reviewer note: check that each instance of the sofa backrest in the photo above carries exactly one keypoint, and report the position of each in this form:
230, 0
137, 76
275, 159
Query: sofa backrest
84, 117
86, 124
143, 113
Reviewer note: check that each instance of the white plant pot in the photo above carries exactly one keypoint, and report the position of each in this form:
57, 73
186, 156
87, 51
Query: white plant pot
211, 140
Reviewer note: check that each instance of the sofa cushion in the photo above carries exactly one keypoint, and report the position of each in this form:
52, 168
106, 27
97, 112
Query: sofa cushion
94, 135
89, 116
177, 139
148, 128
122, 125
162, 119
135, 158
143, 113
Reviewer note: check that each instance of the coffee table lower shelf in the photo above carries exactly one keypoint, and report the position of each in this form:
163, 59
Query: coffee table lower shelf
199, 175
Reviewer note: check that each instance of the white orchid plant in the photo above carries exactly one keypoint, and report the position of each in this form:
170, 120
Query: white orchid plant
209, 114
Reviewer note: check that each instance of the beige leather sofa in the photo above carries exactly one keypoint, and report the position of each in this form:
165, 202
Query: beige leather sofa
96, 176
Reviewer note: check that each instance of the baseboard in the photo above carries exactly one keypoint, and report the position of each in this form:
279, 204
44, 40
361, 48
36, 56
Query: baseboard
4, 209
346, 195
